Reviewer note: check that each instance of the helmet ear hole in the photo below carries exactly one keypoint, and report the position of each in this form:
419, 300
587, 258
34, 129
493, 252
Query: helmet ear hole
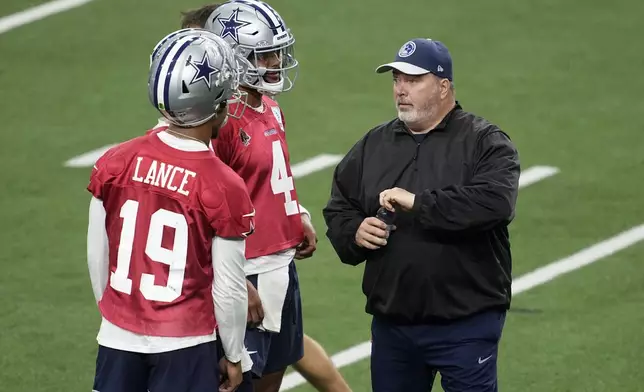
184, 88
221, 103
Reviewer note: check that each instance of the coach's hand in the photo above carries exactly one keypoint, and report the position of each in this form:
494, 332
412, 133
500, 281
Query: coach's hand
371, 234
308, 246
255, 308
231, 375
391, 198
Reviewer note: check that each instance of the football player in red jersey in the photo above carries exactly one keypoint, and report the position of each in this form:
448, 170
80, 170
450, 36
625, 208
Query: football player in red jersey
315, 365
166, 237
255, 147
255, 24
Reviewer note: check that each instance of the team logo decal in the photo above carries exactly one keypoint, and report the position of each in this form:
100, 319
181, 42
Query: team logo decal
204, 70
407, 49
232, 25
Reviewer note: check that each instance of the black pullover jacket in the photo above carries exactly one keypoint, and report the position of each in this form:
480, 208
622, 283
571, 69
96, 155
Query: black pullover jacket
450, 255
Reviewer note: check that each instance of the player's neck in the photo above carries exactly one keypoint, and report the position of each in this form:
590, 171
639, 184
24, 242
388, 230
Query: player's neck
254, 98
202, 133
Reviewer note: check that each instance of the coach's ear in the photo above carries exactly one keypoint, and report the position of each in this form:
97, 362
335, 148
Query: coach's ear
446, 87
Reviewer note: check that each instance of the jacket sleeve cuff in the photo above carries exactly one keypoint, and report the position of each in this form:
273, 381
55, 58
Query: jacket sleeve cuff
418, 202
355, 250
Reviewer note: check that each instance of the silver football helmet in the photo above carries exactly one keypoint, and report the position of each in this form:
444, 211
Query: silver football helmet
258, 33
164, 40
192, 73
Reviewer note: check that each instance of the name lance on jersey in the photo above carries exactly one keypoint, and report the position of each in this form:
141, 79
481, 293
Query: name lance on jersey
162, 175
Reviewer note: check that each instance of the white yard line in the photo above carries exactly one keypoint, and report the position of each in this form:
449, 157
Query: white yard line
578, 260
300, 169
318, 163
89, 158
535, 174
315, 164
524, 283
38, 12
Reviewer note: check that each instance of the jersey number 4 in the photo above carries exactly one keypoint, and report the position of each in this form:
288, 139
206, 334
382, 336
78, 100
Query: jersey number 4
281, 182
175, 257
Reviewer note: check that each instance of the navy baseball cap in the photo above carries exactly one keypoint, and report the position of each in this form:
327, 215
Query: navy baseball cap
420, 56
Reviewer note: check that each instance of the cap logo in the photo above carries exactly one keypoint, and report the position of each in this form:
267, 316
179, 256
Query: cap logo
407, 49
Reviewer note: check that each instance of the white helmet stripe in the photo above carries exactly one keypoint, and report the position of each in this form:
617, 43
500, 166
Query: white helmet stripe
165, 70
166, 39
277, 16
268, 13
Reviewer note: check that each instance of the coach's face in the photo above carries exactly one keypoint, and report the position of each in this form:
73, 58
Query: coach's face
418, 98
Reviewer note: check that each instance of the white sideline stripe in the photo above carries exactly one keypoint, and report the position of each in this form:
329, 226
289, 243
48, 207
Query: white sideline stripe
38, 12
89, 158
580, 259
535, 174
300, 169
524, 283
315, 164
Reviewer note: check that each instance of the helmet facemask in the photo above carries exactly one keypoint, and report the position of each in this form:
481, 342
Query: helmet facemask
236, 102
273, 69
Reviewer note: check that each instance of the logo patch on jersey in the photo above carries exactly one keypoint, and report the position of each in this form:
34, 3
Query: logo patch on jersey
252, 224
245, 138
278, 116
270, 132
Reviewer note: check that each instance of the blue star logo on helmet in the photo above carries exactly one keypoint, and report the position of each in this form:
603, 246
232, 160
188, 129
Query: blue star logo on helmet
204, 70
232, 25
407, 49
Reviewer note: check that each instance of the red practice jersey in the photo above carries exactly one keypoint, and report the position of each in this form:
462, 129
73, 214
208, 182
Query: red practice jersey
255, 148
163, 207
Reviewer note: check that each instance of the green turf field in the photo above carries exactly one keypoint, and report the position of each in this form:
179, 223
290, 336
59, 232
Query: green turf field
563, 78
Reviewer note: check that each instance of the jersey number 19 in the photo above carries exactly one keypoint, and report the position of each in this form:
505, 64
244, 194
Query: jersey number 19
176, 257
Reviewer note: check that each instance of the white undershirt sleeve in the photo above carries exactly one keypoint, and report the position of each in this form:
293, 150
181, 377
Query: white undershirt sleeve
230, 294
97, 248
305, 211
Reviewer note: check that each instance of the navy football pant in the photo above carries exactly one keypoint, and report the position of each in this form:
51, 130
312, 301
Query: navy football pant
247, 380
464, 352
274, 352
192, 369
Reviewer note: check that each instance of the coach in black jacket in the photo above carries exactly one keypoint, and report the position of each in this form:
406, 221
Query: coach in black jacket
439, 284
